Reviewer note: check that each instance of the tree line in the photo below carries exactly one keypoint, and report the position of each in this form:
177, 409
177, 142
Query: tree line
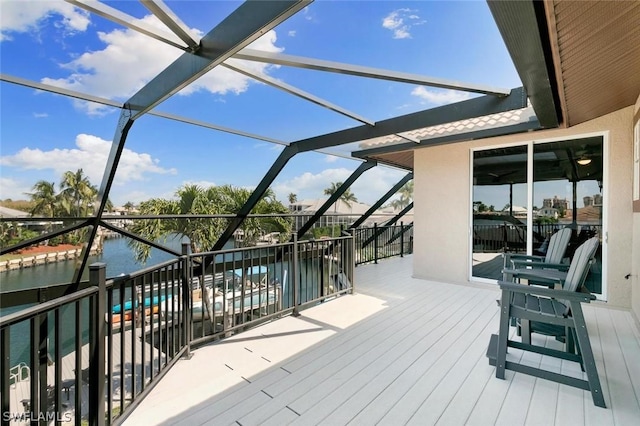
75, 196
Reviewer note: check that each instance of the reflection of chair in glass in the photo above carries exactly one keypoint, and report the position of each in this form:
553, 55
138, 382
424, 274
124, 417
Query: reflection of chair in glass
556, 249
551, 312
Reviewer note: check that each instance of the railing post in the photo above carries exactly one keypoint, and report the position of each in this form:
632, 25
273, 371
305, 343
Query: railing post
5, 405
98, 278
296, 275
352, 262
375, 243
401, 239
186, 299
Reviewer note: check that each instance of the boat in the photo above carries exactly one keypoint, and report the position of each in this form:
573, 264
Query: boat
224, 293
129, 304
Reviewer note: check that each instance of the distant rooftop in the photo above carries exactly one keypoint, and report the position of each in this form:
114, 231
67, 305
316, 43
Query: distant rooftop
7, 212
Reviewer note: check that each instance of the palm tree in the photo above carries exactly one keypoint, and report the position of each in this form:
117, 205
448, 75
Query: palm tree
204, 233
406, 196
406, 191
128, 206
347, 196
293, 198
44, 198
77, 194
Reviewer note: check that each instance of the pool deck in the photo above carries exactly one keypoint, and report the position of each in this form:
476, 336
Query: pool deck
399, 351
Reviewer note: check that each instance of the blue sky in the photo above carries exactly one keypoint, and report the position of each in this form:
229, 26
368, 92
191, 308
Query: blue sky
43, 135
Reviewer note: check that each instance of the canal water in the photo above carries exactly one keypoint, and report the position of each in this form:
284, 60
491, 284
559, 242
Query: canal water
119, 259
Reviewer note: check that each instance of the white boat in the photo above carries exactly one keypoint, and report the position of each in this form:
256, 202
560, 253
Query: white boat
228, 296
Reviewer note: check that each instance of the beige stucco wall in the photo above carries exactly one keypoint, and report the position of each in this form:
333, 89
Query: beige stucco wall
635, 281
442, 204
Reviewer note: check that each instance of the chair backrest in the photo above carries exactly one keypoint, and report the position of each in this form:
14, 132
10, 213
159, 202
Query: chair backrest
558, 244
580, 264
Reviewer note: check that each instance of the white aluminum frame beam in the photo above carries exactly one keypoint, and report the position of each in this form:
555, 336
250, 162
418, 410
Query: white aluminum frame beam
362, 71
127, 21
172, 21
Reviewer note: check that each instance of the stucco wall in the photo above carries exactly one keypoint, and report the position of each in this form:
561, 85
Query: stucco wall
442, 203
635, 281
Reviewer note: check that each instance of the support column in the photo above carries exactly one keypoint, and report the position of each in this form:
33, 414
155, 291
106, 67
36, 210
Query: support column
336, 196
382, 200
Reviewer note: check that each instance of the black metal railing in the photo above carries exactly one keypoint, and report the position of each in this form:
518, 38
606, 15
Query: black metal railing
148, 330
94, 354
71, 320
508, 237
380, 242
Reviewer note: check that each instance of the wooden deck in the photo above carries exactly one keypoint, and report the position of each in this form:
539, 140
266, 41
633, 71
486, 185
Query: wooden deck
400, 351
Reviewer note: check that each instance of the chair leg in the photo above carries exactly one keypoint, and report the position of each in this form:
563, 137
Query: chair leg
570, 342
584, 346
503, 334
525, 331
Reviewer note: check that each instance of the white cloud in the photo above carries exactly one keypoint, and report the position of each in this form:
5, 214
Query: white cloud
400, 22
292, 33
330, 158
439, 97
13, 189
368, 188
91, 155
40, 115
131, 59
306, 12
23, 16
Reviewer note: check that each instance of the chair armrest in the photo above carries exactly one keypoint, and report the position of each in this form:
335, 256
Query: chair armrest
558, 266
534, 274
576, 296
524, 257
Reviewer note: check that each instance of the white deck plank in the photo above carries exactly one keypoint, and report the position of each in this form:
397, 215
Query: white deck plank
622, 324
595, 415
418, 381
357, 397
621, 393
452, 377
518, 400
373, 373
408, 349
313, 377
544, 400
428, 330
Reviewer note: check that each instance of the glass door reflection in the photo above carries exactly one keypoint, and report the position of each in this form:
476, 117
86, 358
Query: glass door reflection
499, 208
567, 192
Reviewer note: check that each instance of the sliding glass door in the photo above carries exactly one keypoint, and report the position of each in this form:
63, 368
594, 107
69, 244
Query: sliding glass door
499, 208
523, 194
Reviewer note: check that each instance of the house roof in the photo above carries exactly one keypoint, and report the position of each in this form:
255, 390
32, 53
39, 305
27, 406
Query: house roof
340, 207
7, 212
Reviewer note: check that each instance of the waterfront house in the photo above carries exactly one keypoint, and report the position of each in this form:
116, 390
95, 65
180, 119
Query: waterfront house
573, 129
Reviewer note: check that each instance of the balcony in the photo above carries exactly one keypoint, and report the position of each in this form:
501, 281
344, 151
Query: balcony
399, 351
